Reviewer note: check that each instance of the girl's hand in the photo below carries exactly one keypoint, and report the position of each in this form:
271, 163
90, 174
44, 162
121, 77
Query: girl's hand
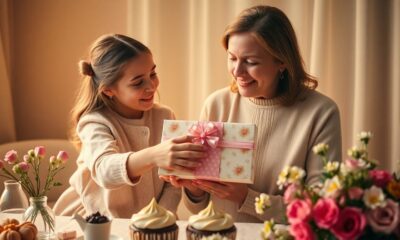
178, 154
235, 192
186, 183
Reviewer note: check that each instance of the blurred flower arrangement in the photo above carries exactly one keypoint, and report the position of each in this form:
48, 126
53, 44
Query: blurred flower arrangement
27, 173
32, 160
354, 200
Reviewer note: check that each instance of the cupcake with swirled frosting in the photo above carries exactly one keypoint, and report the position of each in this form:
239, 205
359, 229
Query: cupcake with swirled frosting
153, 222
209, 222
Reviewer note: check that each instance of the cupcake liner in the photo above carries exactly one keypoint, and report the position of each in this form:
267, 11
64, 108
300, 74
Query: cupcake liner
168, 233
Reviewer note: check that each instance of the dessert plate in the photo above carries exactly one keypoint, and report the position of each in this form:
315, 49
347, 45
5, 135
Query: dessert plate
112, 237
115, 237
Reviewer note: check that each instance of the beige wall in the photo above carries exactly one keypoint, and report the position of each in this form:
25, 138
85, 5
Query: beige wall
49, 38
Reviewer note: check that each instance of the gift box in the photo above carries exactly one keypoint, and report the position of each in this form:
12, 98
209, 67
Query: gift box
230, 148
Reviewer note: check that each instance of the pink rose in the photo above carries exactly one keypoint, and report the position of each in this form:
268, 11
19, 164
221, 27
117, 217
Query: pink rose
298, 211
301, 231
63, 156
354, 164
290, 193
40, 151
325, 212
11, 157
342, 201
380, 177
355, 193
350, 224
384, 219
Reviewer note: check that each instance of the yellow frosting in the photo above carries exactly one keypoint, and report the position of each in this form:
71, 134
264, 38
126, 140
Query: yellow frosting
153, 216
210, 219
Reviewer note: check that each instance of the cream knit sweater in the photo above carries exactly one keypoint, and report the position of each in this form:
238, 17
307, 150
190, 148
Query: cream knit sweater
101, 181
285, 136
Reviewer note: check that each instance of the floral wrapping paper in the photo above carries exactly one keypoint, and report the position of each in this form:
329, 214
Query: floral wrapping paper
229, 164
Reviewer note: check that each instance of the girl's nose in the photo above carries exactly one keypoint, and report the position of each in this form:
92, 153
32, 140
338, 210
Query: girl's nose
151, 86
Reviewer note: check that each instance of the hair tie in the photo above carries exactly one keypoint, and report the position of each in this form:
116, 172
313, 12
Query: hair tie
86, 68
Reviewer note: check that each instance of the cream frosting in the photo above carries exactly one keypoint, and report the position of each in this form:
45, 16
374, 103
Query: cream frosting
153, 216
210, 219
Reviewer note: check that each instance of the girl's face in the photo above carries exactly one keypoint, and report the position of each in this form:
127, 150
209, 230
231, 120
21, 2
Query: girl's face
255, 71
134, 92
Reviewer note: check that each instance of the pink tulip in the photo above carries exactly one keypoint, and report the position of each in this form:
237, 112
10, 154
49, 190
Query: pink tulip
11, 157
350, 225
301, 231
384, 219
23, 166
380, 177
298, 211
325, 212
40, 151
63, 156
53, 160
355, 193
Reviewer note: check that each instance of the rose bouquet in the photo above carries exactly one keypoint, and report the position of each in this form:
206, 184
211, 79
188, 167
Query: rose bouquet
353, 200
28, 173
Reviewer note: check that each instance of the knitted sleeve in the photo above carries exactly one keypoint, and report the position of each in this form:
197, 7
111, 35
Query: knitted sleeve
102, 157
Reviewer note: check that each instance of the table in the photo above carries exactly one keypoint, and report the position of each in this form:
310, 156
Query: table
120, 227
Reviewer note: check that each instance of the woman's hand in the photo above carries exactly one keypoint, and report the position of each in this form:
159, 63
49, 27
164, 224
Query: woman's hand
235, 192
178, 154
186, 183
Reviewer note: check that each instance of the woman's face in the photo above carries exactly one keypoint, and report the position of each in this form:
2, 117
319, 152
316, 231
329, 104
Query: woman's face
255, 71
134, 92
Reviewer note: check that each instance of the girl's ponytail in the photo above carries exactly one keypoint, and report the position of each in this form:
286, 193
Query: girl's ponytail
108, 55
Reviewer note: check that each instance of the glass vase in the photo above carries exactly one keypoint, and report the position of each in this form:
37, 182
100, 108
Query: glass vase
42, 216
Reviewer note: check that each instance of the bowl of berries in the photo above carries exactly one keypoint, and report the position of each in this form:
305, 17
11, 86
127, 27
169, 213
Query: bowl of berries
95, 226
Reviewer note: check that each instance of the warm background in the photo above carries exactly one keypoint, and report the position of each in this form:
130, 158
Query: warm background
351, 46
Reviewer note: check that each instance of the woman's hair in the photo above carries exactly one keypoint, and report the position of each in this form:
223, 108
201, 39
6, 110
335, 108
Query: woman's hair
107, 58
272, 29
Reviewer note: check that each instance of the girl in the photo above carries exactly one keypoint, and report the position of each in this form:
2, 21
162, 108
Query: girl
117, 126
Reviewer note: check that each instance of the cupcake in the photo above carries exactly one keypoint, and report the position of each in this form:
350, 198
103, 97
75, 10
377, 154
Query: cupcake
210, 222
153, 222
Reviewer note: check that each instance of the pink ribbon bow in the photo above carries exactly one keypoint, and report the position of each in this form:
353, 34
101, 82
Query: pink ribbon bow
205, 133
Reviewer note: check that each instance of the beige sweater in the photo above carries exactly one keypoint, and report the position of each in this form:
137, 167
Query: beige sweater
285, 136
101, 181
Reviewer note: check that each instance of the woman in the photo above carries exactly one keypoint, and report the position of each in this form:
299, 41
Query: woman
271, 89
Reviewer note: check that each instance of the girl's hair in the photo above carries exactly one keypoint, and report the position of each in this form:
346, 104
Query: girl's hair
272, 29
107, 58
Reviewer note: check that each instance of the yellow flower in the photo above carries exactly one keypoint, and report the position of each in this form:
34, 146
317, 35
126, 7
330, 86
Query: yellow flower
321, 149
282, 178
364, 137
331, 167
332, 187
374, 197
262, 202
296, 174
268, 229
